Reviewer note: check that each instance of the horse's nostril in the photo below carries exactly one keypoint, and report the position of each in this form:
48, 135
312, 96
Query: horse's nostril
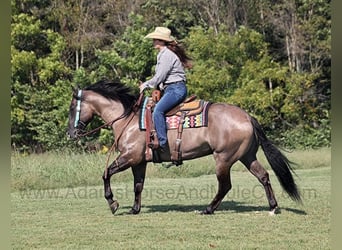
72, 134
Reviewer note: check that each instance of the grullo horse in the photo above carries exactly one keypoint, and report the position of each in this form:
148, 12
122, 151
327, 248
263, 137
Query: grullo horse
231, 135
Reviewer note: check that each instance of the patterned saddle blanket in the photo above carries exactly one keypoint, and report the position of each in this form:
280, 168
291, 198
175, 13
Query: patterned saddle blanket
196, 114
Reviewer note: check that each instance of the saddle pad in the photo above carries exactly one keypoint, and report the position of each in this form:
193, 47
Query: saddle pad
193, 121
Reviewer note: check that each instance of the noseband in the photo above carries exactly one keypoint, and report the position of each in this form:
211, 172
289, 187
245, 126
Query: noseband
80, 125
78, 109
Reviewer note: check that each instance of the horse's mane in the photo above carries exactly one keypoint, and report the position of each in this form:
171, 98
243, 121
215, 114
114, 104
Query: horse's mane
115, 91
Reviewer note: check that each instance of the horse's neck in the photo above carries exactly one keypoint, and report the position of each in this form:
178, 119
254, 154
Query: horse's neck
108, 110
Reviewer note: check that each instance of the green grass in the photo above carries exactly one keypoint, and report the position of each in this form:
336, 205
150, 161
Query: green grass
57, 203
79, 218
52, 170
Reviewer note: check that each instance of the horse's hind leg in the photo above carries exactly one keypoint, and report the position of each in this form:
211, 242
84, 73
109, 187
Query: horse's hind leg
139, 172
254, 166
224, 185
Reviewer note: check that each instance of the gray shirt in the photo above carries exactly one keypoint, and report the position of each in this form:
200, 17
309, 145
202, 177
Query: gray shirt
168, 69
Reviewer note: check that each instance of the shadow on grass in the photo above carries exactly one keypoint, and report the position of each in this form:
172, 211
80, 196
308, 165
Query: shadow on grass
230, 206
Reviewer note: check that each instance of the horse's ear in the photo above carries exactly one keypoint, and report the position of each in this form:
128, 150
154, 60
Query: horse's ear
75, 89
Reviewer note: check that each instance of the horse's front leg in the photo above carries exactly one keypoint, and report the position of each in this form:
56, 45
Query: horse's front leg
139, 172
120, 164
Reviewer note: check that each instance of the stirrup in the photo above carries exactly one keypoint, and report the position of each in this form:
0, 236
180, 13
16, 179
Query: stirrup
172, 163
153, 145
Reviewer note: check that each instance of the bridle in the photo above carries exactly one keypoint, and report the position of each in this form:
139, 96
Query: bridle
80, 125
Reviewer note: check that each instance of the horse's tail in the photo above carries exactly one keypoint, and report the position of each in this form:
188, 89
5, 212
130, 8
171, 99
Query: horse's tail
278, 161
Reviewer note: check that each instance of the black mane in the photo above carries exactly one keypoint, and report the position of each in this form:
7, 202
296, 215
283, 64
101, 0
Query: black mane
115, 91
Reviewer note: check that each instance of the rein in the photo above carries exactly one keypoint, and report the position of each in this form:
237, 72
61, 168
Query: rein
116, 140
103, 125
78, 110
116, 143
135, 109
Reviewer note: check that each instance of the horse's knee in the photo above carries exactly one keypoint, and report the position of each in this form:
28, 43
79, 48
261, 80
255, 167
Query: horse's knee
104, 177
264, 179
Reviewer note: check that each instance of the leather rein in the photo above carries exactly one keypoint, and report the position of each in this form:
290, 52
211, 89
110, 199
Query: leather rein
81, 125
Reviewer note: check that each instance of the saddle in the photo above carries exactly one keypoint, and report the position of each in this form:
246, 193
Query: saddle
190, 107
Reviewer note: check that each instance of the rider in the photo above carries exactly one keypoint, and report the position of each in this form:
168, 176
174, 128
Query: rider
169, 77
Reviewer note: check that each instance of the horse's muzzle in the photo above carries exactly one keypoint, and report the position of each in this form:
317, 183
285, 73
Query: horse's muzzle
72, 134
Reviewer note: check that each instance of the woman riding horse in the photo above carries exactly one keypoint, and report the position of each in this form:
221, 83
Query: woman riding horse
231, 135
169, 77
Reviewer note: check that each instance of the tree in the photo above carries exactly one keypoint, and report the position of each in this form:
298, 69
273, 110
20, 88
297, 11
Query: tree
36, 66
219, 58
270, 57
130, 59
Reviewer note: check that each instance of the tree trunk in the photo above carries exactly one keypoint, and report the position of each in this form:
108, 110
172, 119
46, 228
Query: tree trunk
76, 57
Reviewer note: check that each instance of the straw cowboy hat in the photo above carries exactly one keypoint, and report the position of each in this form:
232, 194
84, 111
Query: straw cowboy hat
161, 33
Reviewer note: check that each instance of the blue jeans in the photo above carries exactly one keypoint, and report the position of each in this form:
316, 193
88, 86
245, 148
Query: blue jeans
173, 95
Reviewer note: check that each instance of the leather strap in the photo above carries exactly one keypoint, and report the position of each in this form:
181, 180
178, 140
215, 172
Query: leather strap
156, 95
176, 156
148, 120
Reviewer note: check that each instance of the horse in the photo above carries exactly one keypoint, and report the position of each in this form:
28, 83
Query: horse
231, 135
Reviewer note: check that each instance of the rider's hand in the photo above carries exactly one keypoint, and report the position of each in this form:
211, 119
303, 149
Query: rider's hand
142, 86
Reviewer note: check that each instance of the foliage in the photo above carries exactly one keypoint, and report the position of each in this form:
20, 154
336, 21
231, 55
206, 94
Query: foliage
130, 59
36, 117
271, 58
219, 59
306, 137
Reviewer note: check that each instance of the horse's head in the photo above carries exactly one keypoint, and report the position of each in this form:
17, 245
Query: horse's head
80, 114
104, 97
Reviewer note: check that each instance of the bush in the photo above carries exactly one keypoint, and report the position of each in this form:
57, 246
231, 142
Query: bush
305, 137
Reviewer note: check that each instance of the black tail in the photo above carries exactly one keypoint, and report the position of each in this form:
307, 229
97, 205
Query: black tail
278, 161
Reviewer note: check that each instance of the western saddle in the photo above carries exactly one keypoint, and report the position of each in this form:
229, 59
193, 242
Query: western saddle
190, 106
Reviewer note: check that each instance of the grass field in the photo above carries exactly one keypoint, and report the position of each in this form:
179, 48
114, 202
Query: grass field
74, 215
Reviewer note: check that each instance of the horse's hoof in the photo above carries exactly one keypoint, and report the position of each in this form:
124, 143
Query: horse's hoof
133, 211
207, 212
114, 206
273, 211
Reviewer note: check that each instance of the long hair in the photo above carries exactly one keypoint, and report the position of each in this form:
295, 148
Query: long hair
180, 52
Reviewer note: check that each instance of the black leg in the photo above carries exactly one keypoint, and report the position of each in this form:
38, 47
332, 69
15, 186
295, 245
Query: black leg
117, 166
139, 172
259, 172
224, 185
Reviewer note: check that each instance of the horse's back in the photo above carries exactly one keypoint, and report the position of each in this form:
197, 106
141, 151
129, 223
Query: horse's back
229, 130
230, 118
